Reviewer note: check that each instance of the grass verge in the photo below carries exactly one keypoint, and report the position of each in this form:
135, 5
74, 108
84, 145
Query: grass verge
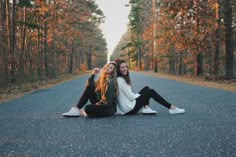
15, 91
227, 85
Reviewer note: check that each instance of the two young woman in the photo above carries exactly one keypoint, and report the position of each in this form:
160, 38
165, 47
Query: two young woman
104, 93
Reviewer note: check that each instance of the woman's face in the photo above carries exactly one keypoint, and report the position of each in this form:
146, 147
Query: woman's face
123, 69
110, 69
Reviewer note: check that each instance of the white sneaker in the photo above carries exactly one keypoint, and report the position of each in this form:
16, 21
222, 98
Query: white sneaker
148, 110
176, 111
74, 112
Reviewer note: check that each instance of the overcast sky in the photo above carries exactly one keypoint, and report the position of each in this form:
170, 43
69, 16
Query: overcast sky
115, 22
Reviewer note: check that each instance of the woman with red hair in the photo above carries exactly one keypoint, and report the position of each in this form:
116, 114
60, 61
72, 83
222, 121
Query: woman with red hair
101, 93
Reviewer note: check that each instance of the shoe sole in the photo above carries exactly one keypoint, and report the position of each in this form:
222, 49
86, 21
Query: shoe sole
177, 113
149, 113
71, 115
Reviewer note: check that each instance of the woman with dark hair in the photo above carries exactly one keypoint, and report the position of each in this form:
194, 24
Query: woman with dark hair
101, 93
130, 103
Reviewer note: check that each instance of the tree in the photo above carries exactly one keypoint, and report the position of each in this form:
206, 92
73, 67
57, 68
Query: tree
137, 17
218, 6
229, 62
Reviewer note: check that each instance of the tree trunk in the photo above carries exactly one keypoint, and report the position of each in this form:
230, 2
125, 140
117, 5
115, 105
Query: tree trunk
54, 69
71, 58
218, 39
210, 61
229, 73
8, 36
145, 59
139, 57
13, 44
45, 45
199, 57
89, 58
82, 56
23, 43
3, 55
155, 64
199, 64
39, 53
8, 25
30, 60
172, 59
79, 59
171, 64
180, 62
154, 35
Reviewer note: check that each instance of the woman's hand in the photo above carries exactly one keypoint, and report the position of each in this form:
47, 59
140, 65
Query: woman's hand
101, 103
95, 71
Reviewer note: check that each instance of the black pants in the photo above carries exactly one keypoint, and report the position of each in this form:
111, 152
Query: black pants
145, 95
94, 110
88, 94
99, 110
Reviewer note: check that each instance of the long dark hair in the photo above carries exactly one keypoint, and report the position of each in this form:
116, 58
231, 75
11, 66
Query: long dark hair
119, 74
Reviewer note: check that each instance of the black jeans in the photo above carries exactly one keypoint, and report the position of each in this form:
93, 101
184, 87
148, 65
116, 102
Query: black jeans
88, 94
94, 110
145, 95
99, 110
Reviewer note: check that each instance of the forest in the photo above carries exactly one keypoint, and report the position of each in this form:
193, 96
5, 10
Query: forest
41, 39
181, 37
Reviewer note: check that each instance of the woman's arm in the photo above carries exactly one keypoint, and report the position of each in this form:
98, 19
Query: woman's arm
90, 80
126, 89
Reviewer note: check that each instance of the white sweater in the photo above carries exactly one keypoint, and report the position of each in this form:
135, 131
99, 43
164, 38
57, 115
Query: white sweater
126, 98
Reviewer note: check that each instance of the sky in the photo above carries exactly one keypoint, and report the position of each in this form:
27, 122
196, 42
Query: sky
116, 20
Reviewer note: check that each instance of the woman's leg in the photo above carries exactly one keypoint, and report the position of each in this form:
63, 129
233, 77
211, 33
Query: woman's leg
144, 90
88, 94
153, 94
141, 101
144, 98
99, 111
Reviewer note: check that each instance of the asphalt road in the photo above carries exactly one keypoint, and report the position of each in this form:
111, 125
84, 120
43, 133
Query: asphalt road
33, 126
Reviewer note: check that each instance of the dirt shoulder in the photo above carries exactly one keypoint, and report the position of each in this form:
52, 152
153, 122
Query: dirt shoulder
16, 91
227, 85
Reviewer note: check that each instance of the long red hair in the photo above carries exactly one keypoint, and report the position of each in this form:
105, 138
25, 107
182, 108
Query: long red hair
101, 84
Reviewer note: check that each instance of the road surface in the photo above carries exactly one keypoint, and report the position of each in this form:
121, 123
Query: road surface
32, 125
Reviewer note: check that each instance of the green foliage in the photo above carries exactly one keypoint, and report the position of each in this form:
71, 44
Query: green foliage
128, 45
29, 24
25, 3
